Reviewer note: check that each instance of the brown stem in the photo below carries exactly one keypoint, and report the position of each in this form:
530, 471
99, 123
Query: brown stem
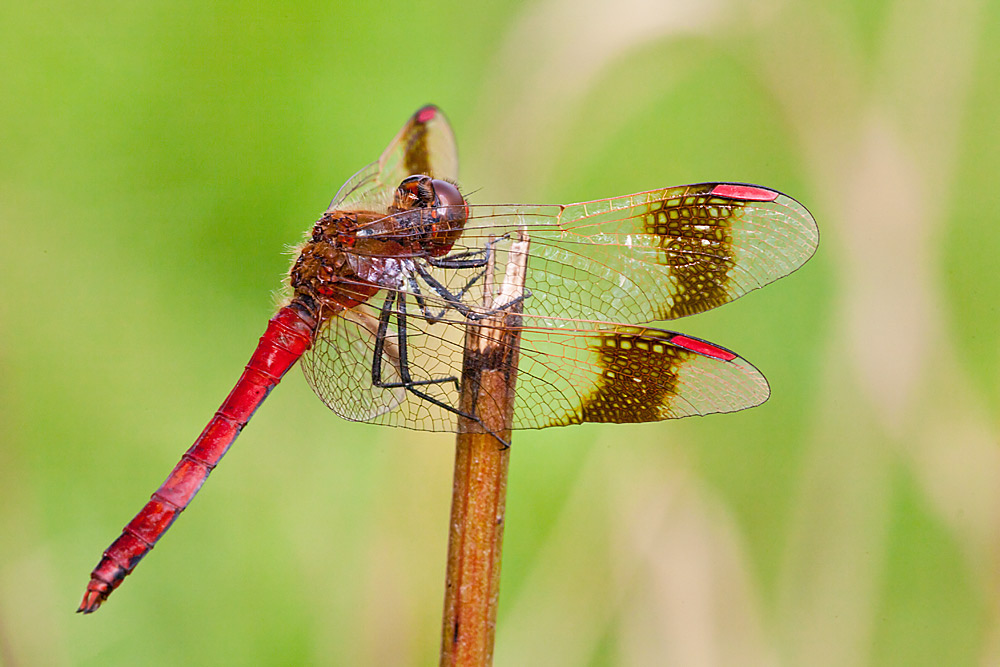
479, 493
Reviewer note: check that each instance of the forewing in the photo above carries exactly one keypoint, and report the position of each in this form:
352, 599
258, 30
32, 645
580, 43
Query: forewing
655, 255
425, 145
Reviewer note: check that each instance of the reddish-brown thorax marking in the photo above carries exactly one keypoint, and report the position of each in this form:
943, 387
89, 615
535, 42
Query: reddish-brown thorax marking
351, 255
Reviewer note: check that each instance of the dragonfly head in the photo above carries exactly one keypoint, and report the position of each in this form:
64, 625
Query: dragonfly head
442, 212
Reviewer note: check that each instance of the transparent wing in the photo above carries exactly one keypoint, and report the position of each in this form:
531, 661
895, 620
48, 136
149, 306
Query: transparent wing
424, 145
655, 255
565, 376
362, 191
592, 267
628, 374
339, 367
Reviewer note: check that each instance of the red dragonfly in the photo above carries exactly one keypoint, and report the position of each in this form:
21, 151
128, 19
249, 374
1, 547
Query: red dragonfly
383, 289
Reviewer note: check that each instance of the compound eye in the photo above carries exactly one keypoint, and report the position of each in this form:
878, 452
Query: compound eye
449, 201
415, 192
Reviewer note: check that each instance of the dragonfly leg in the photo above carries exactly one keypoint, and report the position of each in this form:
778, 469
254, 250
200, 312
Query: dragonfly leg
422, 301
455, 300
425, 310
407, 382
469, 259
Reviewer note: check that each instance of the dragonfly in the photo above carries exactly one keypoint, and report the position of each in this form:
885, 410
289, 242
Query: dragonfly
387, 281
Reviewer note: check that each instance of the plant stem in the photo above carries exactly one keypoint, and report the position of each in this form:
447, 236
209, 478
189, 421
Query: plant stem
479, 491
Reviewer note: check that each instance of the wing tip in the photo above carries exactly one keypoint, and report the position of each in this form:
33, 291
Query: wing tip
807, 225
703, 347
426, 113
758, 390
745, 192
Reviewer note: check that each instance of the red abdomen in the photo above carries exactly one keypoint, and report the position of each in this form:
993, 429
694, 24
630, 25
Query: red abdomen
289, 334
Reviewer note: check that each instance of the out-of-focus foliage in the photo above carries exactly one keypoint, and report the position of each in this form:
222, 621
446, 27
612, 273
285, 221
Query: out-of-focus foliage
158, 159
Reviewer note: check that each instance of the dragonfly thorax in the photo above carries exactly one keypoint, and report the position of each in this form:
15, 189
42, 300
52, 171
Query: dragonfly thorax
329, 271
350, 255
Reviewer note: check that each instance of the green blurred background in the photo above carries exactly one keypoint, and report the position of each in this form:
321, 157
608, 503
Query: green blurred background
158, 159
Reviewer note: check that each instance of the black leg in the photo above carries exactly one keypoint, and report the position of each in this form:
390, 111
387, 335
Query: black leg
454, 300
407, 382
383, 330
425, 310
470, 259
